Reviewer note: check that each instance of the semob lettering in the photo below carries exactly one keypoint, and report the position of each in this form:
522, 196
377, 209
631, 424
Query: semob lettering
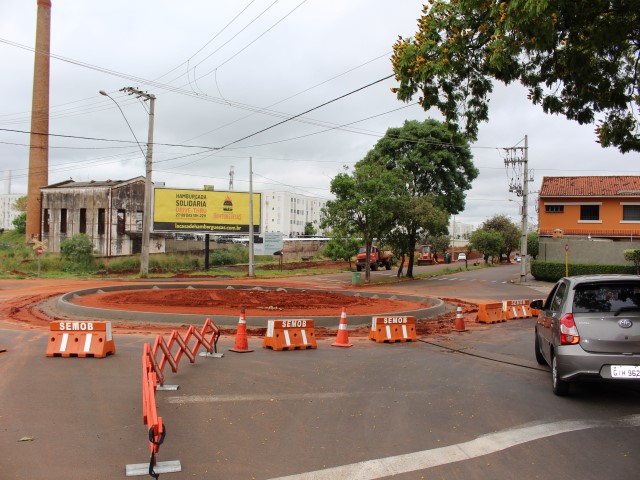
81, 326
394, 320
294, 323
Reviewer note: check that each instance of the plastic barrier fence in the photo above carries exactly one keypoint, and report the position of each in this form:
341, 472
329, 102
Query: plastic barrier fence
393, 329
152, 376
290, 335
80, 339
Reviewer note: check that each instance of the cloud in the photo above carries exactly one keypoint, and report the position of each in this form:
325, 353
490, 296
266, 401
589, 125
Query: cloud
218, 80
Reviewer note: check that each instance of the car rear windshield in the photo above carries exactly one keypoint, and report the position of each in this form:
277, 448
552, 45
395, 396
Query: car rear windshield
607, 297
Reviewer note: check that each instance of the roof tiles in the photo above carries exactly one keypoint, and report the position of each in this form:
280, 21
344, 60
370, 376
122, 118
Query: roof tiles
591, 186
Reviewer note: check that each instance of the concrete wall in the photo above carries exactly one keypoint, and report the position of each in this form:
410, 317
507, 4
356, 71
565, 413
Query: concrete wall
583, 250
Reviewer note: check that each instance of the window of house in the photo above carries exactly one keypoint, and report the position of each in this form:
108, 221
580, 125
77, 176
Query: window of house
554, 208
631, 213
45, 221
120, 227
139, 221
101, 221
83, 220
589, 212
63, 220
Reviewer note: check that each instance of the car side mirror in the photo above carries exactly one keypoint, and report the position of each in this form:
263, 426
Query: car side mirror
536, 304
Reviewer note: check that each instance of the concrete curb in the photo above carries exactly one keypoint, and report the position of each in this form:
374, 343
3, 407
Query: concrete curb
65, 305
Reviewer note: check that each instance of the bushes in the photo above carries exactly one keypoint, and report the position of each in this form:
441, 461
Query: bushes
77, 254
553, 271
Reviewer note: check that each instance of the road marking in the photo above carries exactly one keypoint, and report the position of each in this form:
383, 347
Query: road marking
484, 445
254, 398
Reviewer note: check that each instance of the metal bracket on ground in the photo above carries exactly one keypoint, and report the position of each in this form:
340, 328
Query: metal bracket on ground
135, 469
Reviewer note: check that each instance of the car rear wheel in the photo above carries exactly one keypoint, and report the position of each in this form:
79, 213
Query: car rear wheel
539, 357
560, 387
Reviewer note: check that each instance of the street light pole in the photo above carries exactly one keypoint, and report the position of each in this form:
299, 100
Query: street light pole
252, 265
148, 183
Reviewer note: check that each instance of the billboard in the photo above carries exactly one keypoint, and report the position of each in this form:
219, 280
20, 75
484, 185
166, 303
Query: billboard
204, 211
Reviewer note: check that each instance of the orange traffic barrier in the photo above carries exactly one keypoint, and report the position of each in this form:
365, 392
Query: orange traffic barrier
80, 339
459, 325
242, 343
393, 329
516, 309
290, 335
342, 340
490, 313
534, 311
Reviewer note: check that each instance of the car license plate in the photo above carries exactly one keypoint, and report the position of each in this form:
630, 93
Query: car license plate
625, 371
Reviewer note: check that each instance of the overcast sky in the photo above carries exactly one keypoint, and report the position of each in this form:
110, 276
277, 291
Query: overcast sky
224, 71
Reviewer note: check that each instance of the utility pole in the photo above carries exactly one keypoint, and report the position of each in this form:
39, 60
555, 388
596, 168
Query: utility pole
518, 157
252, 266
148, 184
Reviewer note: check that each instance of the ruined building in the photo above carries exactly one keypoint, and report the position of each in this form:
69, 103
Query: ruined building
109, 212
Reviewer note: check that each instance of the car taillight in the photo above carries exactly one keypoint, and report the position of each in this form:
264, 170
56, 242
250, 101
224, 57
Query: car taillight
568, 331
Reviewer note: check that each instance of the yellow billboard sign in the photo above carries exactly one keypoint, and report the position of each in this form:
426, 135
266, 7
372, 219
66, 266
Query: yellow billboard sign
204, 211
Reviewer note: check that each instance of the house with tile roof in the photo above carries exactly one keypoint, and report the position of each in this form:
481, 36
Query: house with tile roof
590, 206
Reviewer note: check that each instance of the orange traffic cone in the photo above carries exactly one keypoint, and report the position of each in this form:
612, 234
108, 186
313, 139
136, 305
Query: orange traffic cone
242, 344
343, 335
459, 326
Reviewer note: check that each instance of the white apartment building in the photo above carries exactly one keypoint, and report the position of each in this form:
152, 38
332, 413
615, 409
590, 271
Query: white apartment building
8, 213
460, 232
289, 213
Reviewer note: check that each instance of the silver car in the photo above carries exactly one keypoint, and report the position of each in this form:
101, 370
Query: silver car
589, 328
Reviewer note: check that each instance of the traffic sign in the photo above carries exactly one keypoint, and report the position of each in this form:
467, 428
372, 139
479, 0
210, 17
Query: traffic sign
40, 244
40, 250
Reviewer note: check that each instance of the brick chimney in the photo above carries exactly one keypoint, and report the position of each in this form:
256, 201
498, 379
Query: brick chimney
39, 151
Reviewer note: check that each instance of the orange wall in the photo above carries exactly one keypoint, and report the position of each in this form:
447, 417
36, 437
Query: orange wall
569, 220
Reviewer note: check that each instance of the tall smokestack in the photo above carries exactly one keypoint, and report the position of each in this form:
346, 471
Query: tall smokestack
39, 151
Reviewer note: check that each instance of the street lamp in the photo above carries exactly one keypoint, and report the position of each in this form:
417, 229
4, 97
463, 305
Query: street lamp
148, 184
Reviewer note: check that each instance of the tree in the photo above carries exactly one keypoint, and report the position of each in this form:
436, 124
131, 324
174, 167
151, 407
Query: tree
436, 167
440, 244
21, 204
309, 229
398, 241
509, 231
341, 248
533, 244
20, 223
364, 205
487, 241
578, 58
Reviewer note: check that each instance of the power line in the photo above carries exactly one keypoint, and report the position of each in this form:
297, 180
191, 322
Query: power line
76, 137
308, 111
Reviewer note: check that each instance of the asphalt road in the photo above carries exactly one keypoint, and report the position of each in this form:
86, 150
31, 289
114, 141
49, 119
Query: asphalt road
471, 405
